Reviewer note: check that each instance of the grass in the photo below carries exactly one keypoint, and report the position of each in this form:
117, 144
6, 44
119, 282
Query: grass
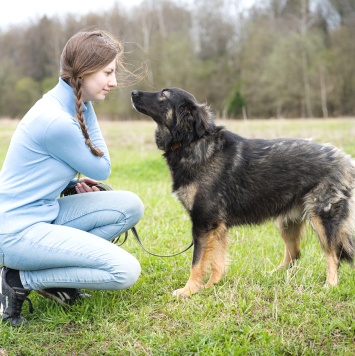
252, 311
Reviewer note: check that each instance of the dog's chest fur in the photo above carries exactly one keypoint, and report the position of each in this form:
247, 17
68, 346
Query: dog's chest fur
186, 195
196, 168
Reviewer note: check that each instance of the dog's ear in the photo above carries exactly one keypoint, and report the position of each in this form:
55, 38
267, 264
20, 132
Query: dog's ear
192, 121
201, 119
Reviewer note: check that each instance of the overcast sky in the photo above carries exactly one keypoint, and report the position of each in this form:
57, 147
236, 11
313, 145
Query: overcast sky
17, 12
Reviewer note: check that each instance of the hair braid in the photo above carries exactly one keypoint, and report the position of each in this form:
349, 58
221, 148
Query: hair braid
76, 85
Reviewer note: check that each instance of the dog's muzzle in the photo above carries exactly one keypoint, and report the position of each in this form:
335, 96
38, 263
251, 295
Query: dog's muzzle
133, 95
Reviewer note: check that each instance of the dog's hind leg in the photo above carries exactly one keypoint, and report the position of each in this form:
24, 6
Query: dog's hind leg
337, 240
329, 249
291, 234
210, 253
330, 206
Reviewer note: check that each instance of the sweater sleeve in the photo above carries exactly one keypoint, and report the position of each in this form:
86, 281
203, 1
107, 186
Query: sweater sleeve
65, 141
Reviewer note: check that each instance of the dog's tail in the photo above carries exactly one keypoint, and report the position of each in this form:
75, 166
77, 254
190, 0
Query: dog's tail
332, 213
345, 246
340, 229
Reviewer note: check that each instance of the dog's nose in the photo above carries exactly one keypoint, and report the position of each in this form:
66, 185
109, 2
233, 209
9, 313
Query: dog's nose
134, 93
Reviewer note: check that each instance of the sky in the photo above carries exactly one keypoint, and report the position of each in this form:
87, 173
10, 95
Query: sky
32, 10
16, 12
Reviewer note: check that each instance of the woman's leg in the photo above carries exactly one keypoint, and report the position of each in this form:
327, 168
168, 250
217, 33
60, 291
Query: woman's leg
73, 251
104, 214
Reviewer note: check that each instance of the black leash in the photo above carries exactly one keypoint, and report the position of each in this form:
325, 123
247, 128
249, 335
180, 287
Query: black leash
104, 187
135, 234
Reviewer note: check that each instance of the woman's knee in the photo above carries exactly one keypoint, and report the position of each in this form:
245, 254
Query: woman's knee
134, 208
138, 206
128, 274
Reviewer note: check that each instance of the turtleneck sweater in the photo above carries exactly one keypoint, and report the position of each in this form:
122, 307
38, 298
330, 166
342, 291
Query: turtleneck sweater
46, 152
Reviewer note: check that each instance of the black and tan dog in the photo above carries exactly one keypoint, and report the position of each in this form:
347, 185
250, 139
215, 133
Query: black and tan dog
225, 180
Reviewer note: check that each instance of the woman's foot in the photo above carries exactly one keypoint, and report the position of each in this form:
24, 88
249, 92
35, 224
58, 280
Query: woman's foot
11, 300
64, 296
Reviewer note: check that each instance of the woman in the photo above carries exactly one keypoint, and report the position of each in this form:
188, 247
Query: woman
57, 245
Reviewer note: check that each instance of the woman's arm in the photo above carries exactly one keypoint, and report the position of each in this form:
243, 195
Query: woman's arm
65, 141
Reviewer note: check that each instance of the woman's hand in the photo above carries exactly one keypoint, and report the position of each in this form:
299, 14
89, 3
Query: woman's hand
83, 187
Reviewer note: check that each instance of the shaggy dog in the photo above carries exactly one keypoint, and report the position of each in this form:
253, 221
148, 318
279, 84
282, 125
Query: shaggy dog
224, 180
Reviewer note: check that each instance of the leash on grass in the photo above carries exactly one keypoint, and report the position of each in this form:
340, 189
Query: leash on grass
104, 187
135, 234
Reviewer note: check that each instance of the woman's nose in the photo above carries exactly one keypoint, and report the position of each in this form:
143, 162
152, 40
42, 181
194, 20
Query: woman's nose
113, 82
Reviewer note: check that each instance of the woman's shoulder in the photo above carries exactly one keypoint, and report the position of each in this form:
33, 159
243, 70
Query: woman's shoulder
44, 119
45, 111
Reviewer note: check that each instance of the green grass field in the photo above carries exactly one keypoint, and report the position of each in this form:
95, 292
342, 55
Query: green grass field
250, 312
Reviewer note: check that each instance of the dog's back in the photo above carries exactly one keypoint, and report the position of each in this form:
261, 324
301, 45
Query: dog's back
254, 180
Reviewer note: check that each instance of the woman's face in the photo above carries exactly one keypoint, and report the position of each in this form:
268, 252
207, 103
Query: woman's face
97, 85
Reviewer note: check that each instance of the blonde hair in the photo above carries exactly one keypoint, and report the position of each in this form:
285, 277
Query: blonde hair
85, 53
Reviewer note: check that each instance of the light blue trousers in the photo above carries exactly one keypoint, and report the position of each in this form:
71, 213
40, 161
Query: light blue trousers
75, 250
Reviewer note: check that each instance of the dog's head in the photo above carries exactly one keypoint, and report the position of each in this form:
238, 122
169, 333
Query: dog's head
180, 118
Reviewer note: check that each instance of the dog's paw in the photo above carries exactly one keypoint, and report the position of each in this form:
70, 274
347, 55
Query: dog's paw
182, 293
328, 285
279, 268
284, 266
188, 290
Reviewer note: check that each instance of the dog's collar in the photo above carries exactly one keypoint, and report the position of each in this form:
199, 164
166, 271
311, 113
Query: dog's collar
175, 146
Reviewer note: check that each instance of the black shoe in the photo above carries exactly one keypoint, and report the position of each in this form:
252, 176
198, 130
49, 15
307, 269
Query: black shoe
64, 296
11, 300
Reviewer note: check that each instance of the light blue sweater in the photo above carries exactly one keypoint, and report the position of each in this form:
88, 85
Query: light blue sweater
46, 152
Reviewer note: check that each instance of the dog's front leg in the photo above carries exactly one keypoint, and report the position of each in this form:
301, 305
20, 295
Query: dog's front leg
210, 255
291, 234
193, 285
197, 272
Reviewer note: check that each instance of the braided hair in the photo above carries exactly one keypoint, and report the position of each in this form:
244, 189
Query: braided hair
85, 53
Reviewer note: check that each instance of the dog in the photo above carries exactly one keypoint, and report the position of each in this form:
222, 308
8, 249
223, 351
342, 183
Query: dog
225, 180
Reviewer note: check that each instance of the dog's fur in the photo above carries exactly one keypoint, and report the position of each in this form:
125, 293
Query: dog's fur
225, 180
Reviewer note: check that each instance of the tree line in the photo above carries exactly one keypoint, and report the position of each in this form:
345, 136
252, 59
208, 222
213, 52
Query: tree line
279, 58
